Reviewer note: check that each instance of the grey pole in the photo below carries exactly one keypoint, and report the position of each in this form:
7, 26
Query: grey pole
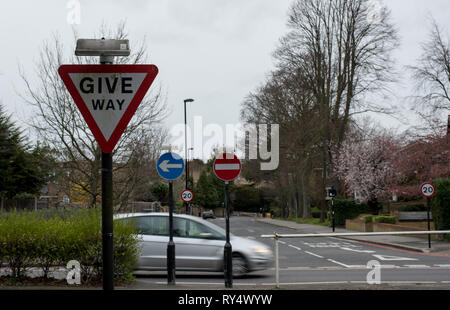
107, 211
186, 150
171, 246
428, 221
228, 259
332, 214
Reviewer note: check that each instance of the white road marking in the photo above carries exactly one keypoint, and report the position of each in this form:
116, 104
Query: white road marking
293, 246
307, 283
388, 257
408, 282
442, 266
417, 266
313, 254
333, 261
389, 266
358, 251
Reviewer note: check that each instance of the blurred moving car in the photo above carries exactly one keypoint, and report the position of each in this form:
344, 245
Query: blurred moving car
199, 245
208, 215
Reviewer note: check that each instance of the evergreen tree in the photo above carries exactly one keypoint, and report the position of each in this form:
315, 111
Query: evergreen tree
21, 170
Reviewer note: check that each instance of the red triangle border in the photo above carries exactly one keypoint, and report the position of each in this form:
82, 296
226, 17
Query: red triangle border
107, 146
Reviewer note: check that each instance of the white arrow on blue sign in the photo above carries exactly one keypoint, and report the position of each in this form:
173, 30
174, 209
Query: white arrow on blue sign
170, 166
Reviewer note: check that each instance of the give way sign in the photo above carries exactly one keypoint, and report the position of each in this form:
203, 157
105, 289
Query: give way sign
107, 96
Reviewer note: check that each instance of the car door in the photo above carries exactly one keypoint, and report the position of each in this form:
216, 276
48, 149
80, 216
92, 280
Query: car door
197, 246
154, 233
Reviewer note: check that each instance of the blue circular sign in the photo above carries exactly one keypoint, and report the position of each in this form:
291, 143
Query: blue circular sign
170, 166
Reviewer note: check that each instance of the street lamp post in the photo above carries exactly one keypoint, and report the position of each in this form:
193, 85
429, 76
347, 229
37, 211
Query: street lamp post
186, 147
107, 50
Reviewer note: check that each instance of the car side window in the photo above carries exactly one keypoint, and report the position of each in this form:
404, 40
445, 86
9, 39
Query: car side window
186, 228
151, 225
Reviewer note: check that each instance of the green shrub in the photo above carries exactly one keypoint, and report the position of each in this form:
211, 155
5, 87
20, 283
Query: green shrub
315, 212
440, 204
347, 209
46, 239
384, 219
367, 218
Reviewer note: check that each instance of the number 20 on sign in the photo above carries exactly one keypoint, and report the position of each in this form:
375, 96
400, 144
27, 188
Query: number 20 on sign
427, 190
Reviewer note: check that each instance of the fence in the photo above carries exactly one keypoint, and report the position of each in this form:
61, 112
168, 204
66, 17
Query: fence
277, 236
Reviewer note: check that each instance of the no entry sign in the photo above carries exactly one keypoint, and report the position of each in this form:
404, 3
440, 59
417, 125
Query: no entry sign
227, 167
107, 96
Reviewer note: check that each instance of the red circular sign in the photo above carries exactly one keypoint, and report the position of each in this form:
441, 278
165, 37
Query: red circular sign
187, 195
427, 190
227, 167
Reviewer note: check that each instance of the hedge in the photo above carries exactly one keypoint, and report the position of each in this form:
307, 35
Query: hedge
384, 219
347, 209
46, 240
440, 204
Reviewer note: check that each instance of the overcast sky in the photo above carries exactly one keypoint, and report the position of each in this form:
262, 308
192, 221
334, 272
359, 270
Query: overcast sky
215, 51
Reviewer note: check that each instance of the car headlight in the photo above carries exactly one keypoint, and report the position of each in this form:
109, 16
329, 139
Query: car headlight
262, 251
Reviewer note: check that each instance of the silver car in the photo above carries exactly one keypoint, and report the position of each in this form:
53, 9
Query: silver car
199, 245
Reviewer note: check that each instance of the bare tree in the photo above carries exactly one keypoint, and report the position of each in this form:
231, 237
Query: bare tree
333, 56
432, 73
58, 122
343, 55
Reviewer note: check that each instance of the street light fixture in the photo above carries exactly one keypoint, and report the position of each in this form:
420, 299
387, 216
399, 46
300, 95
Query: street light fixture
186, 147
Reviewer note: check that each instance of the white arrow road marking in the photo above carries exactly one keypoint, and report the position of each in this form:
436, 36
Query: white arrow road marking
387, 257
165, 166
227, 167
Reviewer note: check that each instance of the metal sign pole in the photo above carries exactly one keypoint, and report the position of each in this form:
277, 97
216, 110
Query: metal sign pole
332, 214
107, 222
228, 259
107, 211
428, 221
171, 245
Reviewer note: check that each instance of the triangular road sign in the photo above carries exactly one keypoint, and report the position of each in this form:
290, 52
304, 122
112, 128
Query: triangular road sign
107, 96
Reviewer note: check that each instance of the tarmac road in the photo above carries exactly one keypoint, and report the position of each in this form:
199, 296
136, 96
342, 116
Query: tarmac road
319, 263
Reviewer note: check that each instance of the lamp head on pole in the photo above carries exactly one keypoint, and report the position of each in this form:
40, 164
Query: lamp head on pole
188, 100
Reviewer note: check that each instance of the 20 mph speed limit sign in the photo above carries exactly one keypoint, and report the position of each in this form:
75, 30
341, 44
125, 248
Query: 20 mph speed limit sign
187, 195
427, 190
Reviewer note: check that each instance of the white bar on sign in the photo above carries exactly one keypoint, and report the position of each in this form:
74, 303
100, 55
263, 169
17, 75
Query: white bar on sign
227, 167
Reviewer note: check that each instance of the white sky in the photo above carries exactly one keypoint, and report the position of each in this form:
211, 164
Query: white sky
215, 51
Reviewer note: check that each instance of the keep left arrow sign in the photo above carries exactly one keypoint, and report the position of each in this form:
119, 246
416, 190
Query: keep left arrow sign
165, 166
170, 166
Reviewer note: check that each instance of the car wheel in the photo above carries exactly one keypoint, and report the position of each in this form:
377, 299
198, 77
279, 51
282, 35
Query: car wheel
239, 265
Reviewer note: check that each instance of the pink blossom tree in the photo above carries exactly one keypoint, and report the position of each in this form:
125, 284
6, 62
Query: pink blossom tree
365, 165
